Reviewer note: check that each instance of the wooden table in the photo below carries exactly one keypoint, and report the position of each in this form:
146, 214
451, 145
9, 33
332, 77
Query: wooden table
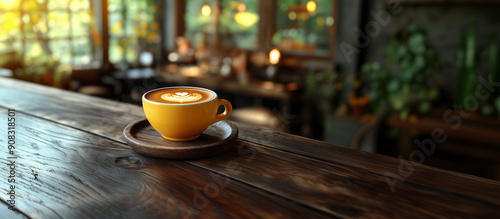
71, 161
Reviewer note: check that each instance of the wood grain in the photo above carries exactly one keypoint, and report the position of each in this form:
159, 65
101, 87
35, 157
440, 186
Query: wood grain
339, 190
460, 184
320, 176
82, 175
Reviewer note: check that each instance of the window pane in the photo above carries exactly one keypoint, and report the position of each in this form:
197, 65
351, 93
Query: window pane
61, 50
132, 30
133, 24
303, 26
132, 49
34, 49
115, 24
10, 24
82, 51
115, 50
199, 20
57, 4
80, 24
239, 21
35, 24
114, 6
30, 5
58, 24
80, 5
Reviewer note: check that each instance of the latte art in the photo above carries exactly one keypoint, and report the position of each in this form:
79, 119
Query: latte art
181, 97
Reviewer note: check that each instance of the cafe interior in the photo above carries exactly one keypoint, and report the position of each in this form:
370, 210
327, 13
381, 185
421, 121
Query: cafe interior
388, 77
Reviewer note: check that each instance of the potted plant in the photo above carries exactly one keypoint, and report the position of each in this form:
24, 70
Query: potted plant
407, 83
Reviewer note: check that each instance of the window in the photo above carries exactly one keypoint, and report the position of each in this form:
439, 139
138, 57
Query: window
200, 23
239, 23
46, 33
297, 27
133, 29
303, 26
49, 31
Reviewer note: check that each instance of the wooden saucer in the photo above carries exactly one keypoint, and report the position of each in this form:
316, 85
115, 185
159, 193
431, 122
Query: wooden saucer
144, 139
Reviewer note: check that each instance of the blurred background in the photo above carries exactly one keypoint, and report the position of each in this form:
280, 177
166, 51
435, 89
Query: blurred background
418, 80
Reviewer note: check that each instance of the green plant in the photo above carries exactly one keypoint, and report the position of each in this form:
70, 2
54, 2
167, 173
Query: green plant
469, 64
494, 74
406, 83
491, 105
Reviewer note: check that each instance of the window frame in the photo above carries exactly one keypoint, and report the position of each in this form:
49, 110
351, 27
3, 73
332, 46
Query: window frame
266, 30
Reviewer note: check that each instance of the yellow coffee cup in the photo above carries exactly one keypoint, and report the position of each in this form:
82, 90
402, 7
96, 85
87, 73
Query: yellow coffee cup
183, 113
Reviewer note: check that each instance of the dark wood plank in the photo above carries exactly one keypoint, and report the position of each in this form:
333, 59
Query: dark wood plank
82, 175
425, 178
340, 190
481, 189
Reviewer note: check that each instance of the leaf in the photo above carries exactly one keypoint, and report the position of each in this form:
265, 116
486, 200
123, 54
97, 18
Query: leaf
419, 49
416, 43
401, 52
470, 49
393, 86
397, 102
419, 61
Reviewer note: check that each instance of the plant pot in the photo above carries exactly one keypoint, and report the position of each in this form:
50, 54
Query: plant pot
358, 104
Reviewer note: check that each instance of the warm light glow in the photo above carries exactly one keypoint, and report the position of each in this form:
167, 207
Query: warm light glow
193, 71
268, 84
242, 7
311, 6
173, 57
292, 15
246, 19
274, 56
206, 10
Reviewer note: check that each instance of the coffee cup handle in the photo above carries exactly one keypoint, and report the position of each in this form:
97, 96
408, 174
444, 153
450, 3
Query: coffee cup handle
227, 111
